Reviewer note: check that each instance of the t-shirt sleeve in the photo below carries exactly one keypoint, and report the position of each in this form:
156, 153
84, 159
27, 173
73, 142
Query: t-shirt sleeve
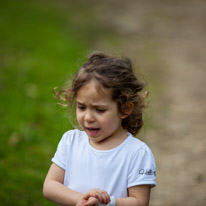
142, 169
60, 156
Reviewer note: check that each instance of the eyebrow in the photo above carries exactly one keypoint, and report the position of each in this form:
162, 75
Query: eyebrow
79, 102
94, 105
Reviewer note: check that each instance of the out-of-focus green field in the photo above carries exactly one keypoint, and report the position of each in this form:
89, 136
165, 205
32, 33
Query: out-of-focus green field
41, 43
40, 46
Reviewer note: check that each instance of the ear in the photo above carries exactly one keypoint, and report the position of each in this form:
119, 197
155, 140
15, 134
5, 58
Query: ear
127, 109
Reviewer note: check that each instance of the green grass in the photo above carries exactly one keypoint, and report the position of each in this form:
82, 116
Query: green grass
41, 43
40, 47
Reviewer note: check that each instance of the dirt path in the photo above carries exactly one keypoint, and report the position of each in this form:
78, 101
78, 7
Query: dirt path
169, 40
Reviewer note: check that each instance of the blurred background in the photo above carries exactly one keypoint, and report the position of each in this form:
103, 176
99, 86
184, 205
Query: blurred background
43, 41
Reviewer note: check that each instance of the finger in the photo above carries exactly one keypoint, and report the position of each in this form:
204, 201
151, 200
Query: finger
100, 197
81, 203
88, 195
91, 201
105, 197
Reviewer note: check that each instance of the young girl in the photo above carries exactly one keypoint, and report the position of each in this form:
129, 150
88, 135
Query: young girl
103, 164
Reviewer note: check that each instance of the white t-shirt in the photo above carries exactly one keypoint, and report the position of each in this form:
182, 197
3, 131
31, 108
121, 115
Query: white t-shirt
130, 164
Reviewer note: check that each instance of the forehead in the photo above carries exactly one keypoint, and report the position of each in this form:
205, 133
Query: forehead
93, 91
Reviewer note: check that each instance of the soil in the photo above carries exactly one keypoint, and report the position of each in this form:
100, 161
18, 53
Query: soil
168, 40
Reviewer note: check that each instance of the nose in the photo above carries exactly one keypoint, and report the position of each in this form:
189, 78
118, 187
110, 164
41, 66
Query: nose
89, 117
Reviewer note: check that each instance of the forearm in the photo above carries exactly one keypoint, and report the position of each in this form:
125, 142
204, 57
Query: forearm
60, 194
131, 201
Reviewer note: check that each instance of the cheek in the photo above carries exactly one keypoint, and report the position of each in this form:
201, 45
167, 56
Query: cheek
78, 116
108, 122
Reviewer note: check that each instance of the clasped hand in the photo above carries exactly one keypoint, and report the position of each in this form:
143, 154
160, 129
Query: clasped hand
94, 197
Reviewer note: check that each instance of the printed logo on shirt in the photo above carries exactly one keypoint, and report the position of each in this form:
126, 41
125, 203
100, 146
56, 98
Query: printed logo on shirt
147, 172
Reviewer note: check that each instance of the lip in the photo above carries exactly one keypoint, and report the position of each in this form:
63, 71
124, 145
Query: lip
92, 131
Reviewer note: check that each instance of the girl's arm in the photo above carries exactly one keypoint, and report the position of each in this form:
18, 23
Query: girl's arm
138, 196
55, 191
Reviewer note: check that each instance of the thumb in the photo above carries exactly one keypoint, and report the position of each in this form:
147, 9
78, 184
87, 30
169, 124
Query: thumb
87, 196
91, 201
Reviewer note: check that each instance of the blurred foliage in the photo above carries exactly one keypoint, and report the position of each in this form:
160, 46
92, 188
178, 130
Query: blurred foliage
42, 42
40, 45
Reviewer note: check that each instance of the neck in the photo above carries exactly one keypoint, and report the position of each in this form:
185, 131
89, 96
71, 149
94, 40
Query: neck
110, 142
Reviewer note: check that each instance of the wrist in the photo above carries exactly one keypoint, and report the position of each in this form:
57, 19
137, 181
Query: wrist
79, 198
111, 203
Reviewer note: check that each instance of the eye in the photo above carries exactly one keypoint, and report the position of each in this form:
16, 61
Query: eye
100, 110
82, 108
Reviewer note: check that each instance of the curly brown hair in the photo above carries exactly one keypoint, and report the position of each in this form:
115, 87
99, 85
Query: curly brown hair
116, 74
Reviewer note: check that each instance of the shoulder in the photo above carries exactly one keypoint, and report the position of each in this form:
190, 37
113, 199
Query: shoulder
142, 168
134, 144
139, 149
73, 135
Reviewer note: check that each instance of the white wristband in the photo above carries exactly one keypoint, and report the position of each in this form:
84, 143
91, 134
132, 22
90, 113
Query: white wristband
112, 202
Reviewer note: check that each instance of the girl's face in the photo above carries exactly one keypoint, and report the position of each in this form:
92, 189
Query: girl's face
98, 115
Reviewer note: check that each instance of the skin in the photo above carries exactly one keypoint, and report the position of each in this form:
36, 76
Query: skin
98, 115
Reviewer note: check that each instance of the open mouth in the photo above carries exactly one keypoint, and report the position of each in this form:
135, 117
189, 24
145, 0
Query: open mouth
92, 131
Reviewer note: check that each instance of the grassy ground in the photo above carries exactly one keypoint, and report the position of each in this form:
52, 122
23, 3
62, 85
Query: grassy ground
40, 46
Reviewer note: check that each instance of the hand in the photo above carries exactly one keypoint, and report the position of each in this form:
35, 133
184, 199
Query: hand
92, 201
101, 195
